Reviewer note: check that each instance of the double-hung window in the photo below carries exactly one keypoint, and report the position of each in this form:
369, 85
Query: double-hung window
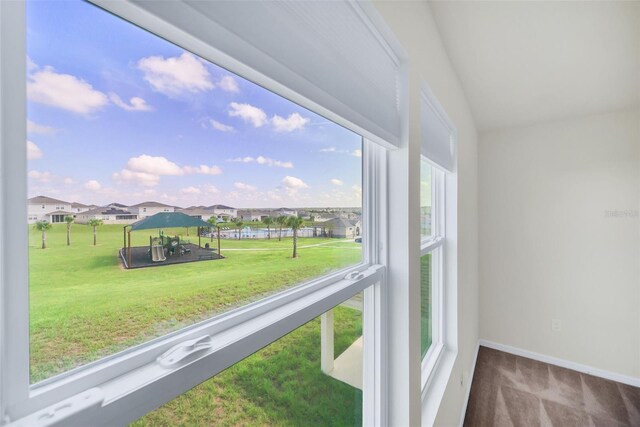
116, 105
436, 163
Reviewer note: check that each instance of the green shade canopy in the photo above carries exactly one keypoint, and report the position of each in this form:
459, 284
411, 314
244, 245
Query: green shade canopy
168, 220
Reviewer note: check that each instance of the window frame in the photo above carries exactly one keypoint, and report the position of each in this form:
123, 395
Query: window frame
437, 365
114, 389
434, 245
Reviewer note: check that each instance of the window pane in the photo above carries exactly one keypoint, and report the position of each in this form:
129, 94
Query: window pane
426, 200
284, 383
126, 127
426, 309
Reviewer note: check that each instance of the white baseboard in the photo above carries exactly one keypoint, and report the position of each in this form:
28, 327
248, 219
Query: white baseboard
469, 382
563, 363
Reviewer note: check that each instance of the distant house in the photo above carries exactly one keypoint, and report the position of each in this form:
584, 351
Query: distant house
284, 212
42, 208
200, 212
108, 215
340, 227
77, 207
116, 205
252, 215
146, 209
224, 212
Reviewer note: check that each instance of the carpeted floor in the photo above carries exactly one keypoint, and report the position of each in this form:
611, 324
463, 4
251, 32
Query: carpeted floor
509, 390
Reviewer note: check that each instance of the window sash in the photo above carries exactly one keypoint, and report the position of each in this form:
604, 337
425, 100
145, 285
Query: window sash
124, 398
432, 357
247, 328
434, 245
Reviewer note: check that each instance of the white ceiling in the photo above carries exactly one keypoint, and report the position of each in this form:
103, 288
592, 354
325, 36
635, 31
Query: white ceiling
522, 62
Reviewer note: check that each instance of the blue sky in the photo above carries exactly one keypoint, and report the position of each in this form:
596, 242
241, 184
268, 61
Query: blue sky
118, 114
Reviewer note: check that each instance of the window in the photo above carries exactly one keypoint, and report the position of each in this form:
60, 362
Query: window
437, 218
113, 349
431, 204
79, 300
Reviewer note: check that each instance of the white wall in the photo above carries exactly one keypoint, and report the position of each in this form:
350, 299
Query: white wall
413, 24
549, 251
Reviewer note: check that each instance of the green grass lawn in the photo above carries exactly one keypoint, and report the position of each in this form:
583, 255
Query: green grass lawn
85, 306
426, 332
281, 385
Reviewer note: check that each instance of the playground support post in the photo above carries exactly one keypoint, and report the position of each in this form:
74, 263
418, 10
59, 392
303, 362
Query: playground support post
129, 249
218, 240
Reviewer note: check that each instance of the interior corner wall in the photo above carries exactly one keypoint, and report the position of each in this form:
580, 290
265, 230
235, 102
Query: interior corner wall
560, 239
413, 24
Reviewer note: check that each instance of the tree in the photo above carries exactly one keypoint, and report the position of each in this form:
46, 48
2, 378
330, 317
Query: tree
281, 221
68, 219
214, 221
268, 221
295, 223
95, 223
43, 226
239, 223
328, 227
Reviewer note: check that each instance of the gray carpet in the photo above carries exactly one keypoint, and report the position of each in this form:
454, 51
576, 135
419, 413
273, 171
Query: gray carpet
509, 390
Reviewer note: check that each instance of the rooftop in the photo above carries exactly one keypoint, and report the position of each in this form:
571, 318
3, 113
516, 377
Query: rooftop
40, 200
105, 210
151, 204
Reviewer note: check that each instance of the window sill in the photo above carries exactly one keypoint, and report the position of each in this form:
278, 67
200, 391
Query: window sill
435, 385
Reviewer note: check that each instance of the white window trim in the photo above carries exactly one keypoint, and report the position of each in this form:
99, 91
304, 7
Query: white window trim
120, 388
438, 364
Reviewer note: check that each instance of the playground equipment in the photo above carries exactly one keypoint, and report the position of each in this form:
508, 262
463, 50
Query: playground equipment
157, 251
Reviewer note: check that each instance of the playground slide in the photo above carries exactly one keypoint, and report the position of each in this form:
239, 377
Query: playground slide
157, 254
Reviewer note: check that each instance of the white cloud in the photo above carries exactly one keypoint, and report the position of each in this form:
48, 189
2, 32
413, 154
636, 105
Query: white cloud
228, 84
190, 190
261, 160
154, 165
357, 153
243, 186
146, 170
210, 189
294, 122
135, 103
165, 196
357, 191
33, 127
92, 185
328, 150
272, 195
292, 185
247, 159
203, 170
33, 151
175, 75
69, 181
142, 178
40, 176
293, 182
31, 65
248, 113
336, 181
64, 91
221, 126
